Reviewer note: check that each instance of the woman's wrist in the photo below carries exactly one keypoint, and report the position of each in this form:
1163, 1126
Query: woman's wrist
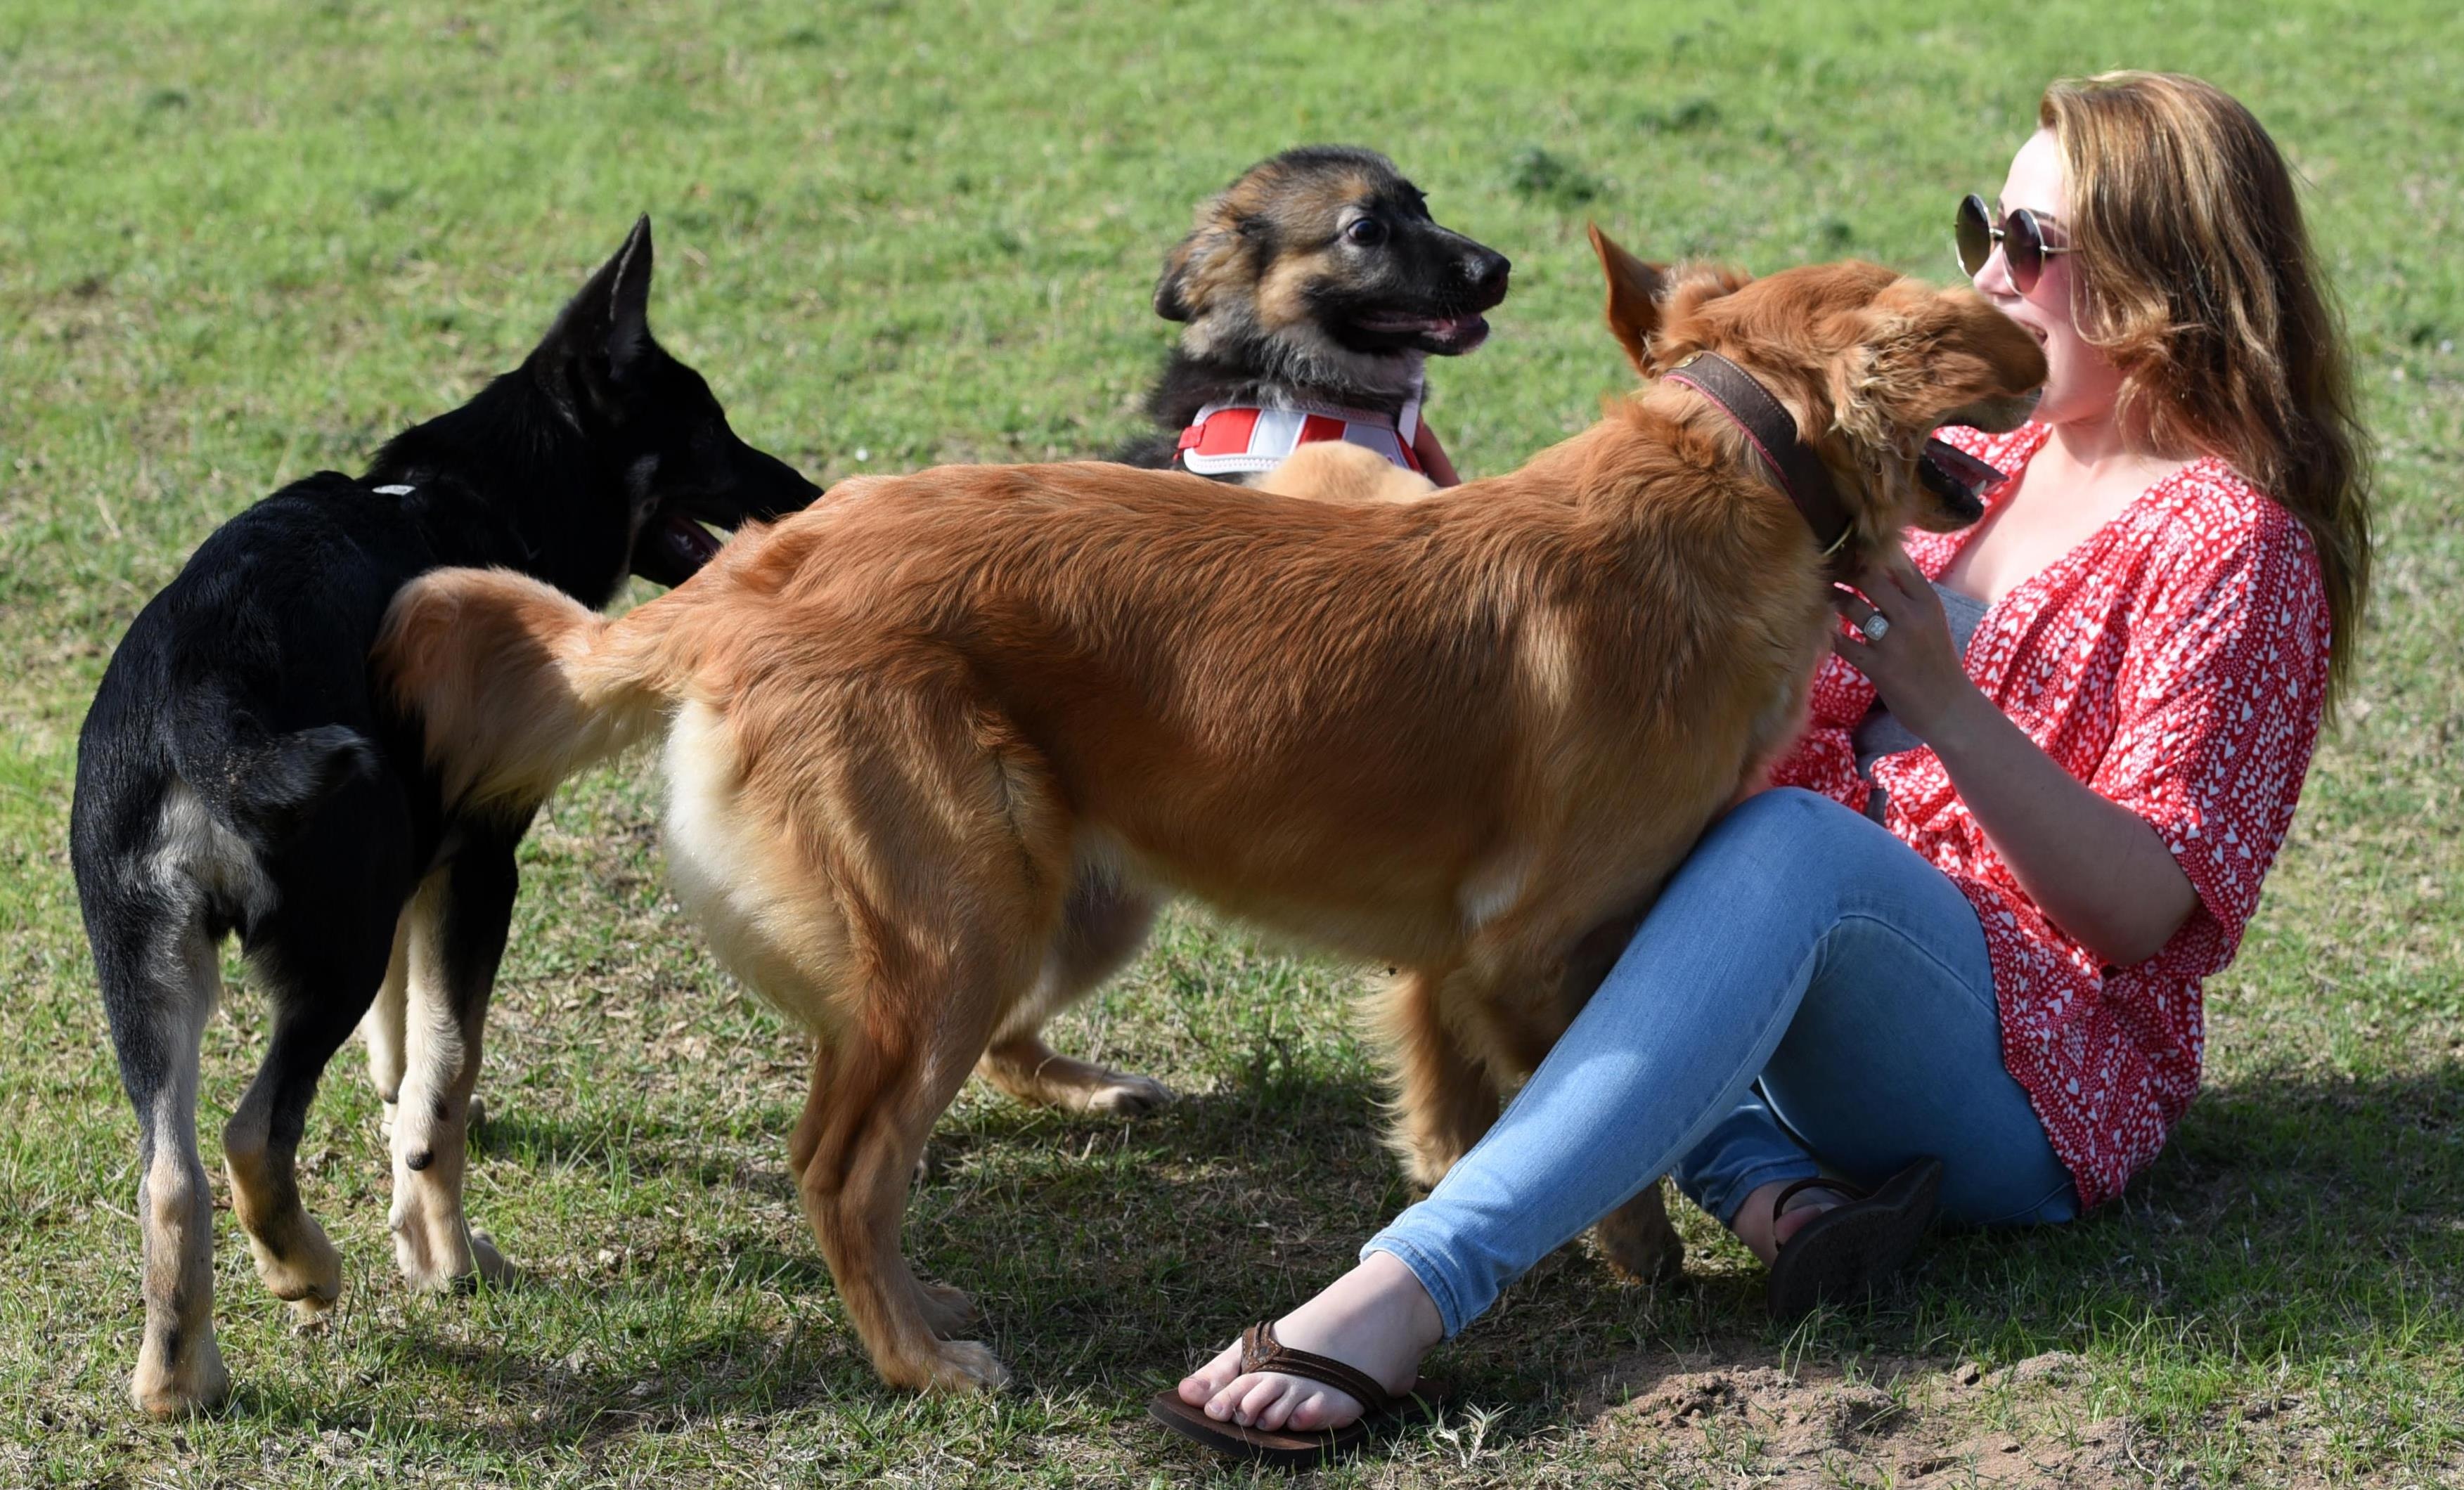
1964, 720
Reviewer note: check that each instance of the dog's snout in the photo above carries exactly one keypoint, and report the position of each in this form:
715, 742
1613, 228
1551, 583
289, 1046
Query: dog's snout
1487, 270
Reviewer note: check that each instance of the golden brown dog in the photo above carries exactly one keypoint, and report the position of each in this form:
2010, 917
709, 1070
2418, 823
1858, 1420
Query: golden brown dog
905, 732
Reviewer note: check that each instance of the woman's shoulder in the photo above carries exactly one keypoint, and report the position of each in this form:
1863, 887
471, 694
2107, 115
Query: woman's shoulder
2209, 516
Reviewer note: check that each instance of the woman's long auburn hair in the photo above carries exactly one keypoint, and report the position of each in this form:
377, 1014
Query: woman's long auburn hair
2195, 277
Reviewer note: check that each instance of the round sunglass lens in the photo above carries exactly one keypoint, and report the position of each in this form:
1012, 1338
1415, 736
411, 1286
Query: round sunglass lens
2023, 246
1973, 236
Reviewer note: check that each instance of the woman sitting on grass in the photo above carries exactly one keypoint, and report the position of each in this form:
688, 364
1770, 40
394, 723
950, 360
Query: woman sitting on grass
1957, 957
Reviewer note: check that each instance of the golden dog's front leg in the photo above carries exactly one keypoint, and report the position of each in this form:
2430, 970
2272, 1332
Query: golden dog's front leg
1639, 1241
1104, 923
1444, 1099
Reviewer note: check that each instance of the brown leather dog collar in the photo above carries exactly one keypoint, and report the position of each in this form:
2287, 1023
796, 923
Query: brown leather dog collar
1771, 431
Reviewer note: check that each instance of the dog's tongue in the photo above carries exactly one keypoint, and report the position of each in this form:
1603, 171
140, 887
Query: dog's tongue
1960, 466
686, 541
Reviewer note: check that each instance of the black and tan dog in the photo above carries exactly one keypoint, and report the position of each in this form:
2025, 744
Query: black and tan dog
237, 777
1312, 289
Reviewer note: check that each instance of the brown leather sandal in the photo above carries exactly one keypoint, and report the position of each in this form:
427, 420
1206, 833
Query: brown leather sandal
1845, 1251
1287, 1448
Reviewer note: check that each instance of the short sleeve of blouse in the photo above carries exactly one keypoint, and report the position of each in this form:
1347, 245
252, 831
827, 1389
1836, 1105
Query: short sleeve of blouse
2218, 713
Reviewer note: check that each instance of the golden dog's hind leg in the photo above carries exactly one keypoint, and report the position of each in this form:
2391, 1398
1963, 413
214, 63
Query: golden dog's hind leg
1444, 1099
944, 861
1104, 924
948, 1312
383, 1030
454, 934
876, 1094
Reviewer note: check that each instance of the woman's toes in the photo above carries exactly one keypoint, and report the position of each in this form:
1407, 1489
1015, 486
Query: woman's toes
1256, 1395
1796, 1218
1211, 1378
1271, 1401
1301, 1409
1225, 1405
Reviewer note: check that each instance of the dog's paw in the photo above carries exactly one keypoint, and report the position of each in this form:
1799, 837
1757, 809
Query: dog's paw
488, 1265
165, 1389
1639, 1241
300, 1265
442, 1253
967, 1366
947, 1311
1130, 1096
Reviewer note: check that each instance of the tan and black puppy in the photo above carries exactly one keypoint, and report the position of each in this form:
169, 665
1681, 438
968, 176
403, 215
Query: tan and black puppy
1314, 286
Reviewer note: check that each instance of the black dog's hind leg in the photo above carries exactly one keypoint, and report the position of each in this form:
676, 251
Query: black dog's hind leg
160, 983
320, 956
456, 933
318, 992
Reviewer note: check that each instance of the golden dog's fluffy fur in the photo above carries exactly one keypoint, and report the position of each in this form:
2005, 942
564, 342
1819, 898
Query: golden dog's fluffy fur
916, 736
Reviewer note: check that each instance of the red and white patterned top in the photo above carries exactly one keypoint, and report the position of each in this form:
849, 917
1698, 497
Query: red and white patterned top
2176, 661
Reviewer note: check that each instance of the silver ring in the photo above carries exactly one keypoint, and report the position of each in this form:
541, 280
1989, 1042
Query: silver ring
1874, 626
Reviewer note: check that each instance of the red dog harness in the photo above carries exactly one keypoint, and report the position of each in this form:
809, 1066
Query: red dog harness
1239, 439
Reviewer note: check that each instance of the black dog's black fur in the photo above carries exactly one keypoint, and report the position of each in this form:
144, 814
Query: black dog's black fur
1385, 277
237, 775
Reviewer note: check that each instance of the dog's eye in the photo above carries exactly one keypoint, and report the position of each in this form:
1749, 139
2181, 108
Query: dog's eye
1365, 231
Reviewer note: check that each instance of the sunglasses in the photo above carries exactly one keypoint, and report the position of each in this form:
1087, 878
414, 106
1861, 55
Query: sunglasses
2022, 237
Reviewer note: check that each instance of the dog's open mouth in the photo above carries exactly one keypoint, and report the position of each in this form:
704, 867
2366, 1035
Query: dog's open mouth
671, 548
1960, 479
1445, 336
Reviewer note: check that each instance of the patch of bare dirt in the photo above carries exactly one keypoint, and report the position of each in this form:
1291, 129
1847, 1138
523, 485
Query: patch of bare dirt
1908, 1422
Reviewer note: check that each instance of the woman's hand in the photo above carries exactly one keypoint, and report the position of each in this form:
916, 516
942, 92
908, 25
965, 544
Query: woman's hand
2095, 867
1914, 667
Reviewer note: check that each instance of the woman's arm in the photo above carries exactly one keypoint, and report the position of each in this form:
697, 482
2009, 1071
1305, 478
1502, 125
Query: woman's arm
2100, 871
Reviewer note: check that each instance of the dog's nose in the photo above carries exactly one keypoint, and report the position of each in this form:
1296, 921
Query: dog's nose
1486, 271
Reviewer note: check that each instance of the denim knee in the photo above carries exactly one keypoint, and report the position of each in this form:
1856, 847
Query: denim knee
1787, 817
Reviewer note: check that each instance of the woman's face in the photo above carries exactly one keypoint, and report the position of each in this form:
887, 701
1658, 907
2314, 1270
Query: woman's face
2079, 383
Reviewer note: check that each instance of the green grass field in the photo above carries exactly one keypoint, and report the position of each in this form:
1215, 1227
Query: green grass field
242, 242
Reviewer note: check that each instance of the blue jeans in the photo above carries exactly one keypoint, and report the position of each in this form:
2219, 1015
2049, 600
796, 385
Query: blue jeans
1808, 995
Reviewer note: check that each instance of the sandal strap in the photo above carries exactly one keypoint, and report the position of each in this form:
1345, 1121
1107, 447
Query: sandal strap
1838, 1187
1261, 1351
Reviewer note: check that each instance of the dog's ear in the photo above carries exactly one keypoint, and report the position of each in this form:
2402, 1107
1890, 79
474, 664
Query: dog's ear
1646, 299
604, 330
629, 297
1635, 289
1180, 294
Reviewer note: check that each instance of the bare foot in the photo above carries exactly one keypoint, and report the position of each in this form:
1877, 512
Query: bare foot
1764, 1234
1376, 1319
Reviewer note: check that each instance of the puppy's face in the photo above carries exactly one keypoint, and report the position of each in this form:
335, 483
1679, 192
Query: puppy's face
1328, 252
1871, 363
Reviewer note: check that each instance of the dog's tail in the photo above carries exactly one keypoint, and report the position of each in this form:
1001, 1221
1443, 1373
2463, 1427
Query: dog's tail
517, 683
258, 785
